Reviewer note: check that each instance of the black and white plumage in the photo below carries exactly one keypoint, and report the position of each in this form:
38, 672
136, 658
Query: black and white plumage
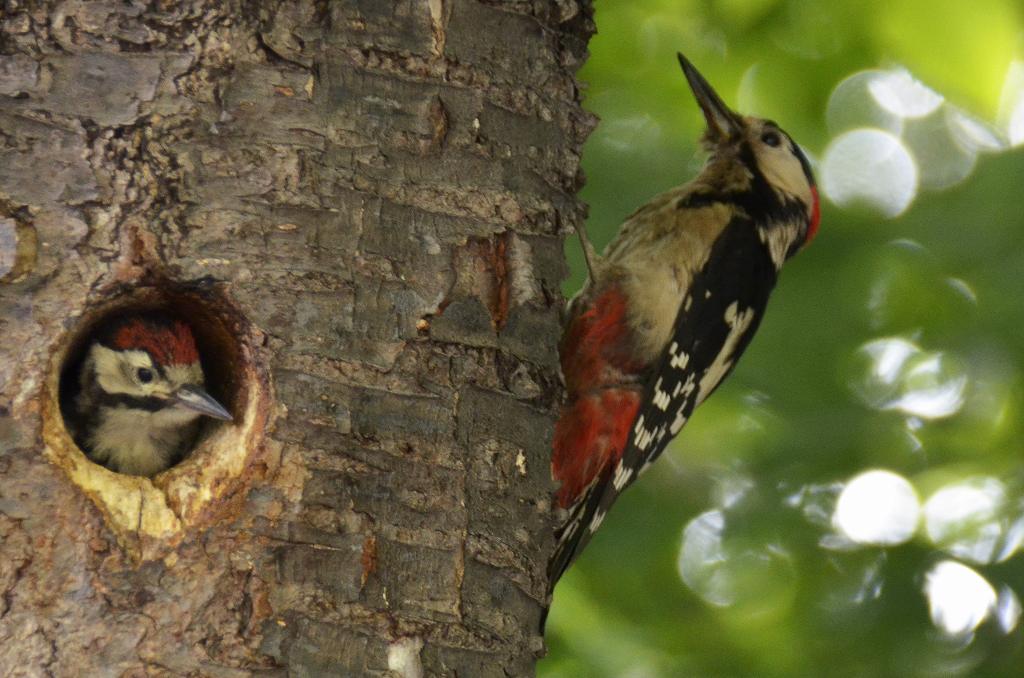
670, 307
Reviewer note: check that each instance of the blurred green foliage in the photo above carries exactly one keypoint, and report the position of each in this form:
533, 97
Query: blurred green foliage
807, 409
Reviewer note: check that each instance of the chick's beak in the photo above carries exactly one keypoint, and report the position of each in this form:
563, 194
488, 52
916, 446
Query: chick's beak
723, 123
198, 400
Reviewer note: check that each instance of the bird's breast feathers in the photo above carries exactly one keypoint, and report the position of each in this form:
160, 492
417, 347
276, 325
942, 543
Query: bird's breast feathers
655, 273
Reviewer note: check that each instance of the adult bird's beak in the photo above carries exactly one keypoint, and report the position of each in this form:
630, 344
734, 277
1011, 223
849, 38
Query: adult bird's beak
723, 124
198, 400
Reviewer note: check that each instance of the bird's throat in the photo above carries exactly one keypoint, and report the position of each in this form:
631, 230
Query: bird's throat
141, 443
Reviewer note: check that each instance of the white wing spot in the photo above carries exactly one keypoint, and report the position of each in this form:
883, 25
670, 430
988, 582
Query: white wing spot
679, 358
622, 476
685, 389
738, 322
677, 423
661, 398
691, 383
643, 439
638, 426
596, 521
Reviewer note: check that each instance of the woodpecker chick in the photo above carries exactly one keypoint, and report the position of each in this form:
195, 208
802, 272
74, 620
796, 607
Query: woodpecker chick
670, 307
141, 395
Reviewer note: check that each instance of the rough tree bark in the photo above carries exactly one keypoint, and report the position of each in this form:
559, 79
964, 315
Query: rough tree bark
361, 205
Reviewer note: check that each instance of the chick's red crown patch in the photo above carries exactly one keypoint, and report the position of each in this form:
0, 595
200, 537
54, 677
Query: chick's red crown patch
169, 342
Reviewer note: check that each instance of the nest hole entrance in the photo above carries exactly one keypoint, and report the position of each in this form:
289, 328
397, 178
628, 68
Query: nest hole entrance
215, 326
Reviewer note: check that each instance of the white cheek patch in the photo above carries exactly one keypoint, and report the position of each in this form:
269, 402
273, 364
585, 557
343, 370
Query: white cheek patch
113, 368
784, 171
116, 373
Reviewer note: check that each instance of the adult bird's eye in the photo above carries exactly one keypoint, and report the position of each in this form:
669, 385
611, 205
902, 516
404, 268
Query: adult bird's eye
771, 138
144, 375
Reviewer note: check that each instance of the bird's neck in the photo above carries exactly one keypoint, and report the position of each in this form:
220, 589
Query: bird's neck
782, 212
138, 442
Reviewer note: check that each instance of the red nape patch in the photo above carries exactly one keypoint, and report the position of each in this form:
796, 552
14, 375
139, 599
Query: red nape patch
169, 343
812, 229
590, 438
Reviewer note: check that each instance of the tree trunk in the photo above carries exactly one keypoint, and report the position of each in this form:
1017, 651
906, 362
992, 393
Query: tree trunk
359, 206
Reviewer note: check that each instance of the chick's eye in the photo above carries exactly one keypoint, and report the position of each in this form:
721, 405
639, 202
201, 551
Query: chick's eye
144, 375
771, 138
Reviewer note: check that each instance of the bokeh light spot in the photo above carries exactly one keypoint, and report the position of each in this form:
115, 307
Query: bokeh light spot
958, 597
1012, 103
963, 518
1016, 126
902, 94
941, 160
869, 166
1013, 540
963, 288
851, 106
816, 501
918, 383
930, 391
1008, 609
701, 555
889, 355
877, 507
750, 578
973, 134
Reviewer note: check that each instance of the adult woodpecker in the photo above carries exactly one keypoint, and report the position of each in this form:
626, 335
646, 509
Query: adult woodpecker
141, 395
669, 308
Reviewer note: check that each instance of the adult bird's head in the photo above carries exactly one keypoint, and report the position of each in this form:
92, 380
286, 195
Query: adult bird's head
763, 165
